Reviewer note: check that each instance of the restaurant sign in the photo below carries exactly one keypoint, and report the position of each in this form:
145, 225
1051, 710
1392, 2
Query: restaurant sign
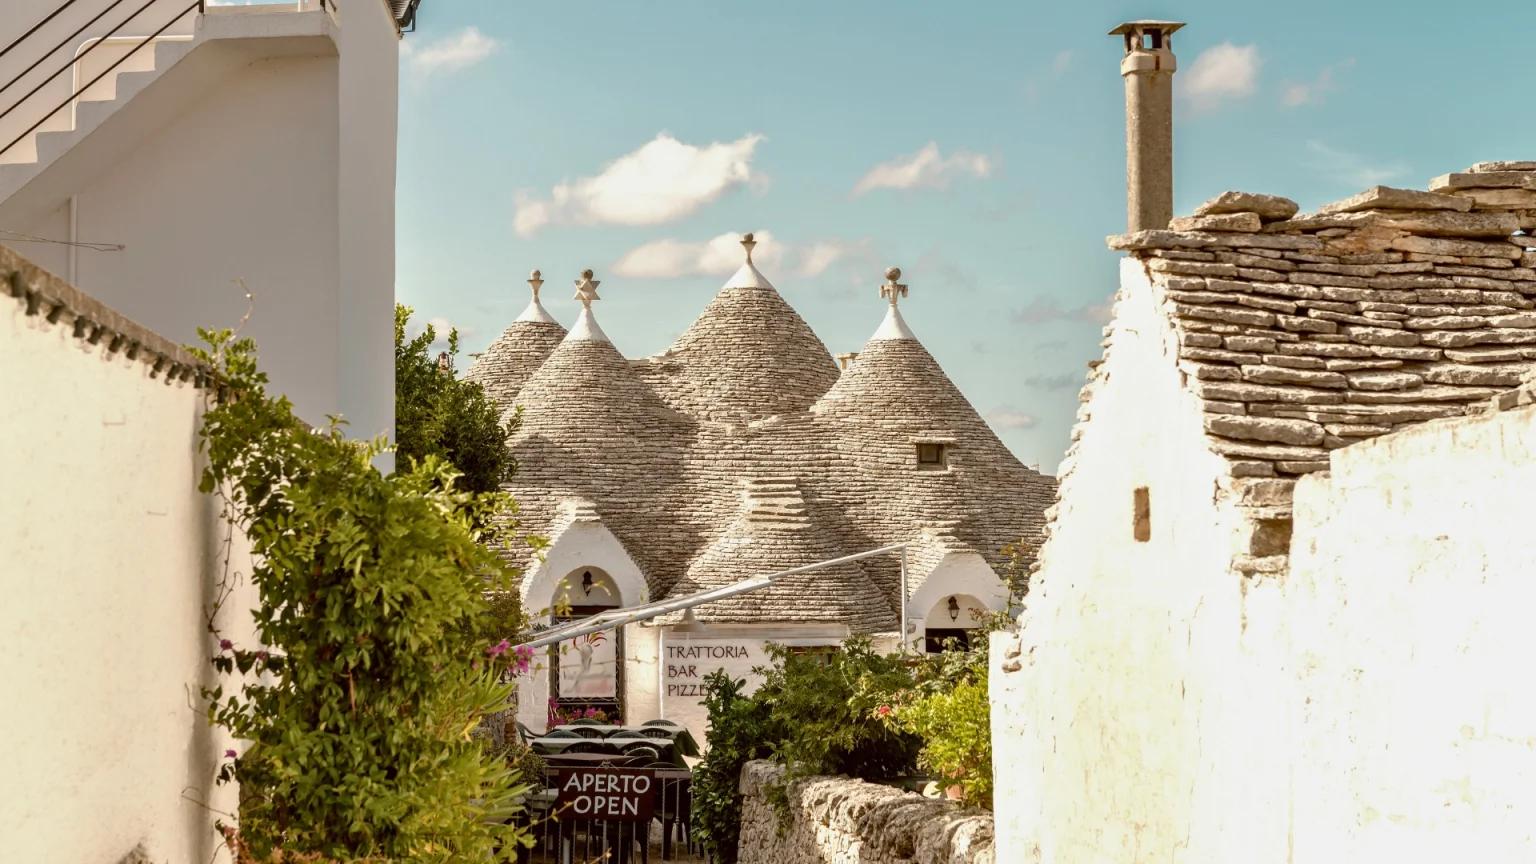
611, 794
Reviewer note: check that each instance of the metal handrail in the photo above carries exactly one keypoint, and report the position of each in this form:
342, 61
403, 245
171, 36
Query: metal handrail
55, 49
35, 27
198, 5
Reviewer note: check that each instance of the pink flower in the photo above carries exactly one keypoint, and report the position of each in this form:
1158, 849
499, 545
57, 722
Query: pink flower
225, 644
885, 711
230, 754
497, 649
475, 665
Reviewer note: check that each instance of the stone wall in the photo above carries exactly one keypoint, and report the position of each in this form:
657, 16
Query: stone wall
837, 820
108, 561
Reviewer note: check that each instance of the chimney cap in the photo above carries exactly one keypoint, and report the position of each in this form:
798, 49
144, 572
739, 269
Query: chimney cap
1167, 27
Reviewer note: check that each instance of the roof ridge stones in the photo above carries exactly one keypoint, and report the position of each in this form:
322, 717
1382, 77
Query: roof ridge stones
1305, 334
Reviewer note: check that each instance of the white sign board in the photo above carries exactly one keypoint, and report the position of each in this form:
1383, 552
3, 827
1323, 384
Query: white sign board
588, 667
685, 663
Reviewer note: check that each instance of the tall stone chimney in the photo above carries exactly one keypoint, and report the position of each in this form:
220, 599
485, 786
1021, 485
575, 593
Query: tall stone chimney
1148, 68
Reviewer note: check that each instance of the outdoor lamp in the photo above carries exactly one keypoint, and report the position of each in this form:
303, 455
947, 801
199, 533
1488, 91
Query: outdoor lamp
586, 583
954, 610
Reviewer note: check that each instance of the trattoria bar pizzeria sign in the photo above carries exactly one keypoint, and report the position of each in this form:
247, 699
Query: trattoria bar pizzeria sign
610, 794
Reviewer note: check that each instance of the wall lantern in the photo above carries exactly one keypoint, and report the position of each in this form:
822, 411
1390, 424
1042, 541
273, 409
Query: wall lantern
586, 583
954, 610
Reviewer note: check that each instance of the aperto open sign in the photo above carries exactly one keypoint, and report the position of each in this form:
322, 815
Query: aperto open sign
609, 794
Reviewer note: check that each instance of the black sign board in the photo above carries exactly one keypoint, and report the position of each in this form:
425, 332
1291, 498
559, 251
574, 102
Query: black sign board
607, 794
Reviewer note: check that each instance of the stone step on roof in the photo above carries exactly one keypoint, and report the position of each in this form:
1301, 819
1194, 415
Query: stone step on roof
766, 540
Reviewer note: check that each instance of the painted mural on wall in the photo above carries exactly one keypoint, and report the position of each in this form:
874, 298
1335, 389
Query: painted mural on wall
588, 667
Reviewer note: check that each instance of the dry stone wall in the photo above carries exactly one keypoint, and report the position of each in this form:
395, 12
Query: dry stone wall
838, 820
1303, 334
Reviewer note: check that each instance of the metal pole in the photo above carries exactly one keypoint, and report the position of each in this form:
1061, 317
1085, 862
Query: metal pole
902, 625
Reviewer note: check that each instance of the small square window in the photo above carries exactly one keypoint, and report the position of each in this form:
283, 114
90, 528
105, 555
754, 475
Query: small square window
932, 455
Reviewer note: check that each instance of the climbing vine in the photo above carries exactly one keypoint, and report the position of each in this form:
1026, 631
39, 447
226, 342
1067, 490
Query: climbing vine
372, 659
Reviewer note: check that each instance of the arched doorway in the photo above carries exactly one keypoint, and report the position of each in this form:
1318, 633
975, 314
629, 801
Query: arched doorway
954, 617
587, 673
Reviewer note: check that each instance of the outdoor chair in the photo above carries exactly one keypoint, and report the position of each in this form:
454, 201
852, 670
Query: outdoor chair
524, 732
586, 721
657, 732
622, 734
591, 747
560, 733
661, 723
586, 732
642, 750
673, 798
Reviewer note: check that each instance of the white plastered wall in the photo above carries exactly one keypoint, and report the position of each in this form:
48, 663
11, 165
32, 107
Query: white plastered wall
581, 546
1131, 677
965, 576
108, 559
1410, 601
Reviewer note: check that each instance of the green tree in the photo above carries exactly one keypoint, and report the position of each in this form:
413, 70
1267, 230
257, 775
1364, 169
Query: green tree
436, 414
371, 667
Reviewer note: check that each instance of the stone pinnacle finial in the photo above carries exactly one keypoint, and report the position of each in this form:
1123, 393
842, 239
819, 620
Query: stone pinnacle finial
747, 243
535, 281
586, 289
892, 290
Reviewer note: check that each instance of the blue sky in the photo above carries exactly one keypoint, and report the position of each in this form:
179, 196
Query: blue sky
978, 146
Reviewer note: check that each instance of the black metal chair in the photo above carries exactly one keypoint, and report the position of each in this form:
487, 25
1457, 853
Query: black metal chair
672, 808
642, 748
585, 732
560, 733
662, 723
592, 747
657, 732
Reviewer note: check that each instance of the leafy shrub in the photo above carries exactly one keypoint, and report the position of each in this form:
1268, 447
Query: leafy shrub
948, 708
739, 732
371, 681
437, 414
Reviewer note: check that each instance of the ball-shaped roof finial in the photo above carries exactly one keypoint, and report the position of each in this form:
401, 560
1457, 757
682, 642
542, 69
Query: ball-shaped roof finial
586, 274
893, 273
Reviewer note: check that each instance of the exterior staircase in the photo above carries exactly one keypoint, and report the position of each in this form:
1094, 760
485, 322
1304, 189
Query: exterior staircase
124, 91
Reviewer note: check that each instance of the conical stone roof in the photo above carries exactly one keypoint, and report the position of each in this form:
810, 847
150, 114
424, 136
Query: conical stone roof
895, 396
518, 352
747, 357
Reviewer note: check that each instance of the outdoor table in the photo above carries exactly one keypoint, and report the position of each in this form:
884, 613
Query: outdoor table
679, 735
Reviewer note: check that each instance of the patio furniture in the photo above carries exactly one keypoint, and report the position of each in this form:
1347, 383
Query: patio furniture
586, 732
642, 749
673, 799
662, 723
592, 747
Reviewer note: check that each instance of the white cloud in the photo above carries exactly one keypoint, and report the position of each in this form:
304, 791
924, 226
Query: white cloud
1062, 61
1009, 417
1352, 168
925, 168
1222, 73
722, 256
1302, 94
451, 53
440, 329
1064, 381
1043, 309
663, 181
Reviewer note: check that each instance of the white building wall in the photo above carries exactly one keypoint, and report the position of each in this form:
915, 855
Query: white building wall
1370, 705
1117, 697
281, 174
241, 186
1410, 600
108, 559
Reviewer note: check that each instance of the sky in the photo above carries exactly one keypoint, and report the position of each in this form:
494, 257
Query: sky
980, 147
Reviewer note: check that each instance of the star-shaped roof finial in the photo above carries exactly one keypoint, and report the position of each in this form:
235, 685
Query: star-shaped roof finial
747, 243
892, 290
586, 289
535, 281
